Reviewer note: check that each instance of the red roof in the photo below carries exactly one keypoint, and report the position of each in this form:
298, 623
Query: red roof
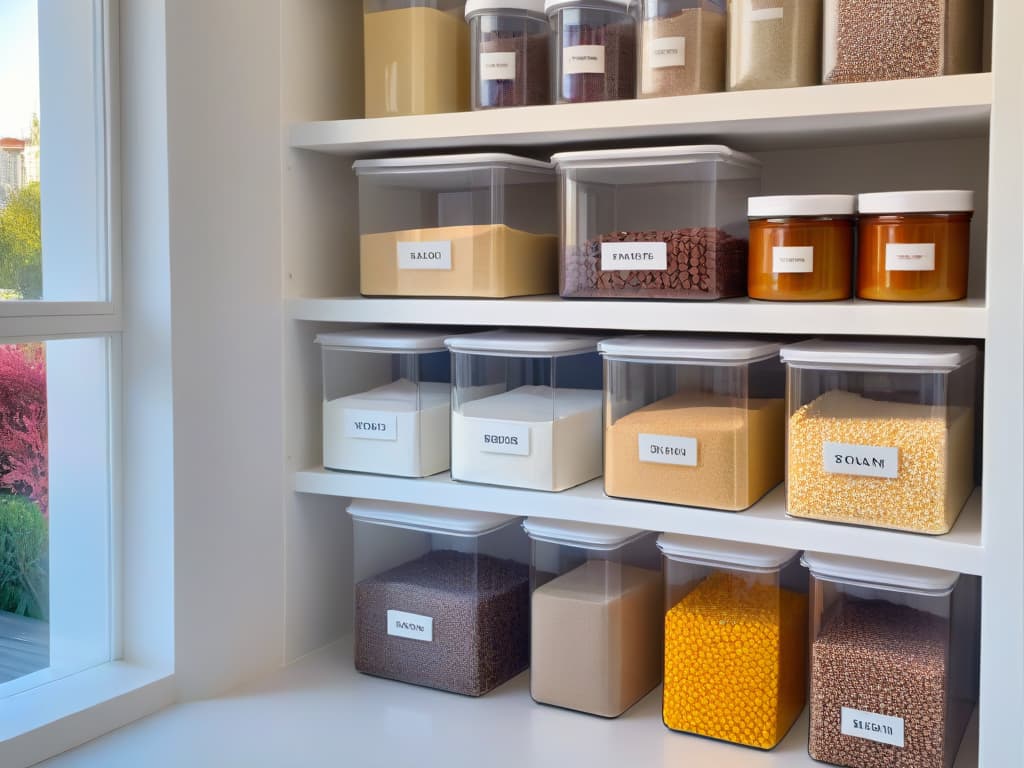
9, 143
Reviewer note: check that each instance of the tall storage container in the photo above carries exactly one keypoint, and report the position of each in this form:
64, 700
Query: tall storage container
596, 607
774, 44
594, 49
894, 662
457, 225
441, 596
510, 43
682, 47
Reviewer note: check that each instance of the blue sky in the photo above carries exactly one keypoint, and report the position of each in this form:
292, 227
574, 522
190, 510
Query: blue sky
19, 66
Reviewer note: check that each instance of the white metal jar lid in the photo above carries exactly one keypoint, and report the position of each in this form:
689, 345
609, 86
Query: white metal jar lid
922, 201
533, 7
522, 344
682, 348
583, 535
801, 205
550, 6
386, 340
729, 554
877, 355
875, 573
419, 517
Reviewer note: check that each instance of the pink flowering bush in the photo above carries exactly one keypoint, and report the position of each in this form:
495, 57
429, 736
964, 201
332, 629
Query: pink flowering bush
24, 454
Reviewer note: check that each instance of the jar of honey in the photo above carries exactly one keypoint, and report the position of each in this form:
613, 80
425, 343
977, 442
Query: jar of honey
914, 246
801, 247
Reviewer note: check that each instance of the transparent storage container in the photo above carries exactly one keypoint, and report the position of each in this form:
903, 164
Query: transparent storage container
457, 225
596, 607
894, 662
415, 57
509, 50
693, 421
526, 409
594, 49
442, 596
735, 639
774, 44
880, 434
682, 47
655, 223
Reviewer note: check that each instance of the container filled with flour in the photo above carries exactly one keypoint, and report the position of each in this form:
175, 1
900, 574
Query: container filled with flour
693, 421
526, 409
387, 401
596, 608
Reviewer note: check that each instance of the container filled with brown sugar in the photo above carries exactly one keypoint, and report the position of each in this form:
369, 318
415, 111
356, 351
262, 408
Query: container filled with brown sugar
442, 596
894, 662
655, 222
593, 50
509, 53
880, 434
682, 47
693, 421
596, 609
774, 44
482, 225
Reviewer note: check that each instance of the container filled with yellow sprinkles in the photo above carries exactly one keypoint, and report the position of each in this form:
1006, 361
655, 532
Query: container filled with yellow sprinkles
735, 639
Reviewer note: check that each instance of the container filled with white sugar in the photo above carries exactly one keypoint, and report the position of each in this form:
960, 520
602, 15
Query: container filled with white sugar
526, 409
386, 401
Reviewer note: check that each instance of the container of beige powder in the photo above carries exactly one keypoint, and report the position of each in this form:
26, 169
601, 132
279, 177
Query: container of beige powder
596, 608
693, 421
682, 47
774, 44
476, 225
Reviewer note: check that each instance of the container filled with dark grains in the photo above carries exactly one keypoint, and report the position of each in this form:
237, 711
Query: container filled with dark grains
774, 44
442, 596
682, 47
509, 46
894, 662
655, 223
594, 49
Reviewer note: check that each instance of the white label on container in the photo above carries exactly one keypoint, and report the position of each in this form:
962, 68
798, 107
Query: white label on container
793, 258
502, 437
871, 726
764, 14
617, 257
371, 425
863, 460
428, 255
411, 625
667, 449
498, 66
668, 52
583, 60
910, 257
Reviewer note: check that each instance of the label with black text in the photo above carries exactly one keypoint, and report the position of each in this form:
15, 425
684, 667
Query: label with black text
619, 257
503, 437
428, 255
874, 727
910, 257
583, 60
668, 449
863, 460
668, 52
792, 259
498, 66
411, 625
371, 425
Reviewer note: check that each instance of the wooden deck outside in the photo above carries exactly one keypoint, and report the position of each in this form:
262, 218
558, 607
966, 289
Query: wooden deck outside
24, 646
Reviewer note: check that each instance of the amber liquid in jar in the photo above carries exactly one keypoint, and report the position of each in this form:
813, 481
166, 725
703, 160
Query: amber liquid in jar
916, 276
831, 275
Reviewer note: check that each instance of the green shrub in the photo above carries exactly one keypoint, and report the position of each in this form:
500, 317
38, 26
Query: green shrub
24, 558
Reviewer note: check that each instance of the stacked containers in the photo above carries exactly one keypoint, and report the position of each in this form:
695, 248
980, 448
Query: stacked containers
682, 47
596, 610
894, 662
594, 49
774, 44
441, 596
880, 434
655, 223
509, 52
694, 421
457, 225
735, 639
386, 401
526, 410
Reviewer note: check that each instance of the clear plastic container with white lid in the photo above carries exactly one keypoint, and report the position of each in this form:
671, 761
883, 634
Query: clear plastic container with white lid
386, 400
509, 52
442, 596
880, 434
735, 639
526, 409
894, 662
596, 609
481, 225
697, 421
655, 222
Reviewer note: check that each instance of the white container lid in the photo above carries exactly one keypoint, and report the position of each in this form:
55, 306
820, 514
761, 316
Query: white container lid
585, 535
730, 554
602, 158
550, 6
386, 340
875, 573
874, 355
471, 160
522, 344
923, 201
728, 351
535, 7
801, 205
419, 517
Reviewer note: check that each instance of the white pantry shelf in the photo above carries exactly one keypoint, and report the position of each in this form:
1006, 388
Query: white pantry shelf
765, 523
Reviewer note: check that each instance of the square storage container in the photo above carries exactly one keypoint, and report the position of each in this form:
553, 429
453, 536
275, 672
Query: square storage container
526, 410
774, 44
682, 47
694, 421
509, 52
596, 609
386, 401
655, 223
735, 639
894, 662
457, 225
442, 596
880, 434
594, 49
415, 57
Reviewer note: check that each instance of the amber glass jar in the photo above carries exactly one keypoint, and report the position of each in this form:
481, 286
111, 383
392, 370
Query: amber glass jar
914, 246
801, 247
